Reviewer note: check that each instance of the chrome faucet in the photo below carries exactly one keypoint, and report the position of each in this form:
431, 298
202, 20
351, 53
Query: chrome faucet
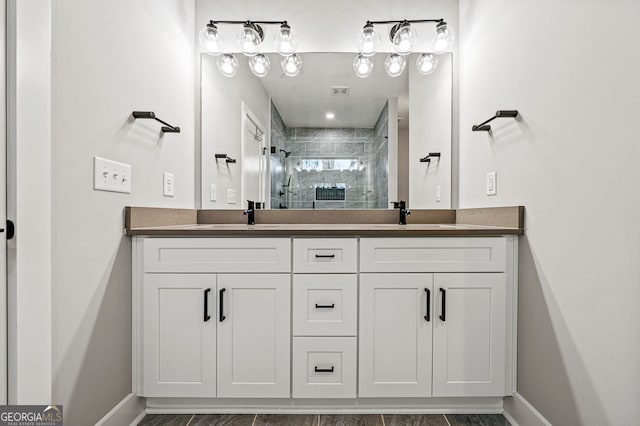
250, 212
404, 211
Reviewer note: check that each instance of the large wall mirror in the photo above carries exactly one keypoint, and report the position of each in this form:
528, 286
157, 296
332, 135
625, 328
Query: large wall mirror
325, 139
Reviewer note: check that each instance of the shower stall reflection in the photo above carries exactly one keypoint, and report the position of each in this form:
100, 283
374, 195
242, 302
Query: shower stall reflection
329, 168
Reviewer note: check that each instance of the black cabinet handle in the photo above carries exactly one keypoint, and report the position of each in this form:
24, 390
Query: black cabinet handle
207, 317
328, 256
444, 303
428, 316
323, 370
221, 297
331, 306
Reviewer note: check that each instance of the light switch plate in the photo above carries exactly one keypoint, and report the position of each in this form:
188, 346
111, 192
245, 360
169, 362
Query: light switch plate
492, 183
168, 184
212, 193
109, 175
231, 196
438, 194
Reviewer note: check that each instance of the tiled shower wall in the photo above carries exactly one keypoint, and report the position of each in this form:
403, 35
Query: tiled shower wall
365, 188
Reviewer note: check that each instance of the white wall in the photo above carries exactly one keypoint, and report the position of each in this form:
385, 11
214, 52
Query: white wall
571, 69
222, 128
403, 164
430, 131
108, 59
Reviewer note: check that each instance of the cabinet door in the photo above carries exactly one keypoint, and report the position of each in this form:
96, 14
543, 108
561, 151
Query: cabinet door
179, 346
254, 335
395, 335
469, 340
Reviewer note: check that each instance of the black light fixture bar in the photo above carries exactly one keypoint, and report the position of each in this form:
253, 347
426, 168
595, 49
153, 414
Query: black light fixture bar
429, 156
167, 128
484, 127
405, 21
225, 157
249, 22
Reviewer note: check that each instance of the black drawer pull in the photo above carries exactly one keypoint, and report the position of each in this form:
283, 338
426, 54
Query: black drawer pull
207, 317
444, 303
428, 316
221, 297
331, 306
327, 256
323, 370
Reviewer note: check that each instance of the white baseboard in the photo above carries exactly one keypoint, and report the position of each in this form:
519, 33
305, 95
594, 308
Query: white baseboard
129, 411
324, 406
520, 412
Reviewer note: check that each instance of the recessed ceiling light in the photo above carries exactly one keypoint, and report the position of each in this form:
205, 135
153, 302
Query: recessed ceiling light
330, 116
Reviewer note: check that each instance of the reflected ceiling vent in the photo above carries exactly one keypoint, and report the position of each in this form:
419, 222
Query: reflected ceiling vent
340, 90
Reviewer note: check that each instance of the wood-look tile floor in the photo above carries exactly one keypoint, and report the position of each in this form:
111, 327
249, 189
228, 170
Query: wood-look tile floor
324, 420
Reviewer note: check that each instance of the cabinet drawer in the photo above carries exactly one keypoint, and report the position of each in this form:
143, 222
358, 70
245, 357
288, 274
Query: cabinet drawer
324, 367
327, 255
325, 305
433, 254
217, 255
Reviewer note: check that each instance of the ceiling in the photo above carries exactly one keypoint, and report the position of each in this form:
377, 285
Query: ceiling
304, 100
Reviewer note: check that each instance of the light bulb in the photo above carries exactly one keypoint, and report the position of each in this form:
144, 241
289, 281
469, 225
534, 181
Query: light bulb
291, 65
395, 64
442, 40
426, 63
404, 38
227, 64
363, 66
285, 41
250, 39
368, 41
260, 65
210, 39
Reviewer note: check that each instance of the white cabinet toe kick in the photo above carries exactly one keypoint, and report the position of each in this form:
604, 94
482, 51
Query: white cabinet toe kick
324, 325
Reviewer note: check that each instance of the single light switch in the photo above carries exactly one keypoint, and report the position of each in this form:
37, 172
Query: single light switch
438, 194
168, 185
492, 183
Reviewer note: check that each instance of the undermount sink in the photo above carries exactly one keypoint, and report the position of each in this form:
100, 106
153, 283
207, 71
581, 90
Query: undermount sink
425, 225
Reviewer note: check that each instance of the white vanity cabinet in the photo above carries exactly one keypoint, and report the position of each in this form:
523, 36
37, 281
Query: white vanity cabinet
436, 317
206, 327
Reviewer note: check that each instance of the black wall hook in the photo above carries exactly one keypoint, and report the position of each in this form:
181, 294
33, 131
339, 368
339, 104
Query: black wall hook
429, 156
226, 157
483, 127
167, 128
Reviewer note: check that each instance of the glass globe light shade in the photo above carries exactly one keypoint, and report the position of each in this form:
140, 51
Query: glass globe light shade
260, 65
210, 40
363, 66
427, 63
249, 41
405, 39
291, 65
395, 64
227, 64
368, 41
442, 40
285, 41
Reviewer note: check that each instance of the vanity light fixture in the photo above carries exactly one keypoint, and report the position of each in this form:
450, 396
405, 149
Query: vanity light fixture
404, 39
395, 64
363, 66
291, 65
249, 41
260, 65
227, 64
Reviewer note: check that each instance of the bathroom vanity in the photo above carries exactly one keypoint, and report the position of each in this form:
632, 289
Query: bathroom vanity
349, 317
